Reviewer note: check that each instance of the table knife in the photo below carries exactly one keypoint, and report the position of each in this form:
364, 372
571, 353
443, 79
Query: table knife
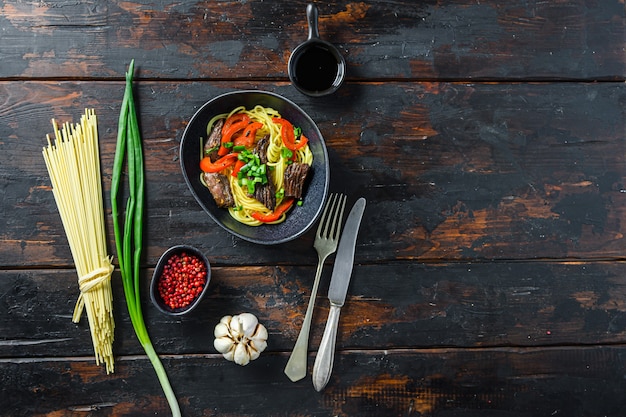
339, 282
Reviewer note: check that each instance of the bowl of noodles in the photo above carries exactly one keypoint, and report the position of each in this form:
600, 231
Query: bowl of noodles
257, 164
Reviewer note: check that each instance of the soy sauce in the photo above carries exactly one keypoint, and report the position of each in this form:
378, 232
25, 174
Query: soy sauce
316, 69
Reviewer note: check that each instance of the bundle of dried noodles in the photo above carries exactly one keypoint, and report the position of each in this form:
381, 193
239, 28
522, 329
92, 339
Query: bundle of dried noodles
73, 163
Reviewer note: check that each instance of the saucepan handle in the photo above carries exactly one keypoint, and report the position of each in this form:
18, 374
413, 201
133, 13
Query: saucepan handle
311, 17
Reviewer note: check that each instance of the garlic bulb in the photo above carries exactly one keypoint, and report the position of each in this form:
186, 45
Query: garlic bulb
240, 338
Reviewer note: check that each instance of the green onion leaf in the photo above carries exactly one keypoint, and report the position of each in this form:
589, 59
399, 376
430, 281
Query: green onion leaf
129, 244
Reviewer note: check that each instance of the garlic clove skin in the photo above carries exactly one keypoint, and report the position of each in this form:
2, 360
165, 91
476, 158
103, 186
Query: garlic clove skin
254, 354
248, 323
258, 345
234, 327
230, 355
223, 344
241, 355
260, 334
259, 339
221, 330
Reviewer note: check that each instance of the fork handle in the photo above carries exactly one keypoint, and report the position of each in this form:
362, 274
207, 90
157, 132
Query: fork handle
326, 354
297, 363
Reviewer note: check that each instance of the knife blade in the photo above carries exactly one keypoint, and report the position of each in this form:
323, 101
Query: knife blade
344, 260
339, 282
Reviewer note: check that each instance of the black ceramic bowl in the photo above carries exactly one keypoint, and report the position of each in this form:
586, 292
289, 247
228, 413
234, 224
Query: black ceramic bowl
300, 218
155, 296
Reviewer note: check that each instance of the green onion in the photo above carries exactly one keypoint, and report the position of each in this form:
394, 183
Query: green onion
253, 172
129, 245
286, 153
245, 168
244, 155
249, 184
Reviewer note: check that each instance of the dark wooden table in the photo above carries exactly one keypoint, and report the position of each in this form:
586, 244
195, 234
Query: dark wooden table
488, 138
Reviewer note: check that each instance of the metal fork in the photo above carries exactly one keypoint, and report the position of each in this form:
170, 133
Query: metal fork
325, 243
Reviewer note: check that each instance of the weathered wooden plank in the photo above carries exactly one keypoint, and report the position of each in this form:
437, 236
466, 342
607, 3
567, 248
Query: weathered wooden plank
572, 381
381, 40
451, 171
395, 306
489, 269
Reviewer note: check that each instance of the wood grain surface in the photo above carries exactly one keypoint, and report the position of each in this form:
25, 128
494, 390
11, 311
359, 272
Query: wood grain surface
487, 138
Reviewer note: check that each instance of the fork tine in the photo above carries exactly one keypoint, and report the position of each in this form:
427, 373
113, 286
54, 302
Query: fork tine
338, 217
326, 215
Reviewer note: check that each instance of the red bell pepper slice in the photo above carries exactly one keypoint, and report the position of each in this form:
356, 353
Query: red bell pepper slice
303, 141
289, 138
227, 135
238, 165
248, 136
224, 162
274, 215
235, 118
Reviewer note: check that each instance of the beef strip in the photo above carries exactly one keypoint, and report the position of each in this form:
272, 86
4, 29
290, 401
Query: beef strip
261, 148
220, 189
214, 140
295, 176
266, 194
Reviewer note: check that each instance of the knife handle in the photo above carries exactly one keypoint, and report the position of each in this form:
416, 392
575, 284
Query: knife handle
323, 365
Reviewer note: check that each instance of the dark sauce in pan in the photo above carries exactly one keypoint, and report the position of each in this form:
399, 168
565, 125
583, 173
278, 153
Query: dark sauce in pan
316, 69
